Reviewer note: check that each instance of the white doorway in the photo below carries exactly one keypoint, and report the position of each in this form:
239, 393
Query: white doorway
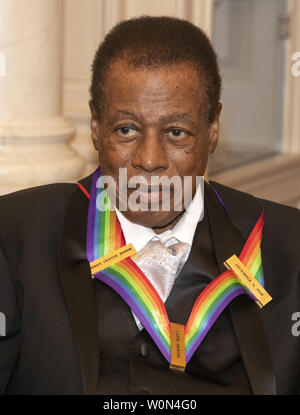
250, 40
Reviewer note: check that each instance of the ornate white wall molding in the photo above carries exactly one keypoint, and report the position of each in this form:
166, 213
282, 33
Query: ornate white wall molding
34, 136
34, 152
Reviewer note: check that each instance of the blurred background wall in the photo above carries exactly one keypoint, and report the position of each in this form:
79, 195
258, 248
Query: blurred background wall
46, 49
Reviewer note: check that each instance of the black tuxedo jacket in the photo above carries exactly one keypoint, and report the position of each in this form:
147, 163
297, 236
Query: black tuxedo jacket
52, 344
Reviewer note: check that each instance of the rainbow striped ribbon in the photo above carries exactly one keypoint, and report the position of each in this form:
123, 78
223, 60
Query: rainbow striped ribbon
104, 235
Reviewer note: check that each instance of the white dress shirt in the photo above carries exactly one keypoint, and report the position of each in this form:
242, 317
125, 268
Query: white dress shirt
183, 231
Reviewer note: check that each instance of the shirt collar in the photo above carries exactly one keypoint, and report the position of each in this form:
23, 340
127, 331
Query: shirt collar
183, 231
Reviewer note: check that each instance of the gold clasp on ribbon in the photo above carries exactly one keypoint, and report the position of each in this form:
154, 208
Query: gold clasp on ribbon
248, 280
177, 338
112, 258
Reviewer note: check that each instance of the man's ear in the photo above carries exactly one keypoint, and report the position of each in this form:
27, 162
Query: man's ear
94, 125
214, 130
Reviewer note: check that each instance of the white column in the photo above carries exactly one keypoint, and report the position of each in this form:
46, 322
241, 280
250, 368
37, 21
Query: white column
34, 137
86, 23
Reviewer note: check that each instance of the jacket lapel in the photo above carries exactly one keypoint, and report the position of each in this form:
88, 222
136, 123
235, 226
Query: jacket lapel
245, 314
77, 285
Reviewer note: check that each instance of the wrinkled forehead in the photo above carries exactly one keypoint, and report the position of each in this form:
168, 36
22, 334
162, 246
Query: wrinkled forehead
153, 88
178, 72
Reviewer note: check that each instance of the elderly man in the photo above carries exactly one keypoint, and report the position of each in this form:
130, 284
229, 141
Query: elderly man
84, 313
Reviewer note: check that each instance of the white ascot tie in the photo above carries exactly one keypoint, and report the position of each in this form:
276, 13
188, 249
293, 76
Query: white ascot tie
161, 264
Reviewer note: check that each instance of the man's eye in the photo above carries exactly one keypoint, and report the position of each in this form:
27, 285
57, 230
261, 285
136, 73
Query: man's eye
127, 132
177, 133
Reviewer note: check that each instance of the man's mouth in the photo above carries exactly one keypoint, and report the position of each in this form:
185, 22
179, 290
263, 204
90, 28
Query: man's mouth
150, 193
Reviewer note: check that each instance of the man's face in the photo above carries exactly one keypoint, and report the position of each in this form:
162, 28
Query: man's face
154, 124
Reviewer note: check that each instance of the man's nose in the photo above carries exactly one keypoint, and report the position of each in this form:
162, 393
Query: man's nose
150, 154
